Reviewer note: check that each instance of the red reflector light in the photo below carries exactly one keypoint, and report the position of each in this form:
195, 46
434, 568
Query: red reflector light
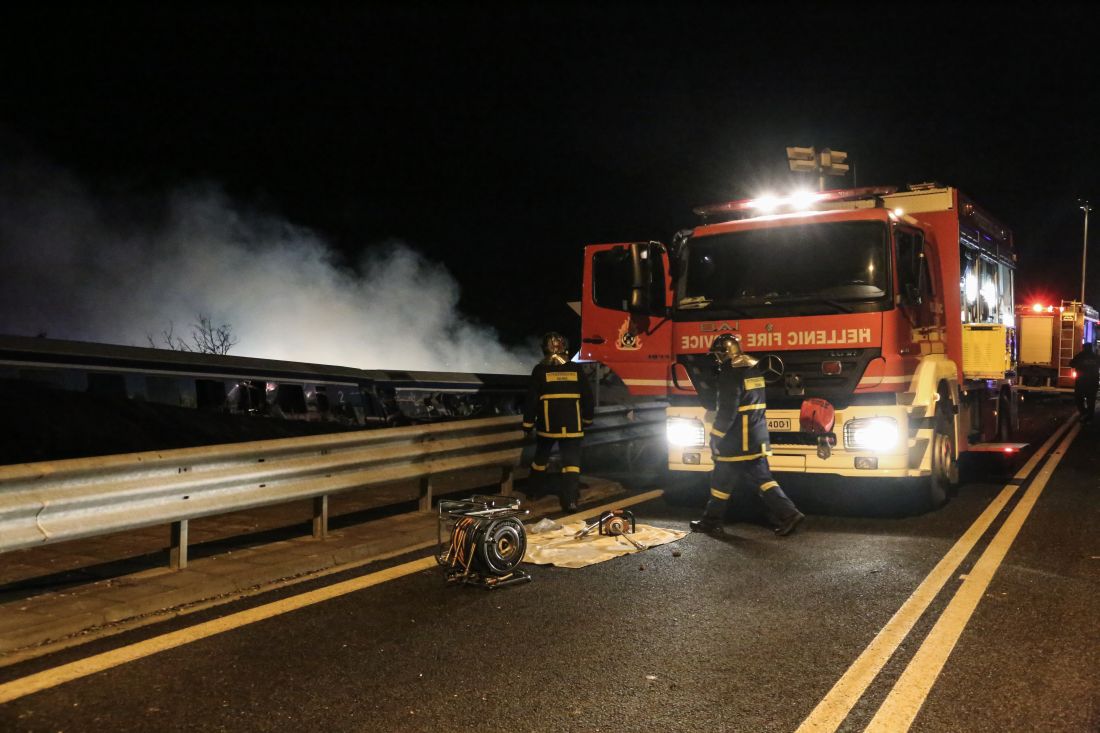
1073, 374
831, 367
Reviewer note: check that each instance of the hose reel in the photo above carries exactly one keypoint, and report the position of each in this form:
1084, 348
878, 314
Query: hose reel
485, 541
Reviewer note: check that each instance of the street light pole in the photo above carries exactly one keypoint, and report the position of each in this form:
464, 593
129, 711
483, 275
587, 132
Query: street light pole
1084, 248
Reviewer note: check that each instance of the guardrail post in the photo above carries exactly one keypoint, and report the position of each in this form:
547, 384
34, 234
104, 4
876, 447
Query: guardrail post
633, 454
425, 493
506, 481
320, 517
177, 549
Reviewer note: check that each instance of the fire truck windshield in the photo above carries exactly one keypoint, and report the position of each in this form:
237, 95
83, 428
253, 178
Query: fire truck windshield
811, 268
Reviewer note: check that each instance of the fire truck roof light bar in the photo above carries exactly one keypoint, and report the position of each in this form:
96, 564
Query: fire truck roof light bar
798, 201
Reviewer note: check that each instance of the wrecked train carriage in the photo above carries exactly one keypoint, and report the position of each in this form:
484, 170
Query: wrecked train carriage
264, 388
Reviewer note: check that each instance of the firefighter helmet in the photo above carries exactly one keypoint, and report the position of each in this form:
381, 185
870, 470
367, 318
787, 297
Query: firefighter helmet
555, 348
727, 348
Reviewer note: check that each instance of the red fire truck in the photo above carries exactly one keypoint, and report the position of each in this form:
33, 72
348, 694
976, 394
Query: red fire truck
1049, 337
894, 307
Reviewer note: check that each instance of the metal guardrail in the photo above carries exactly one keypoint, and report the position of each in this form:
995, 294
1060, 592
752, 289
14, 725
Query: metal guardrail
56, 501
631, 427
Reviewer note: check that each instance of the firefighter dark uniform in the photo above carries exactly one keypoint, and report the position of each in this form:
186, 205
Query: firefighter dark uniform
558, 407
739, 442
1087, 364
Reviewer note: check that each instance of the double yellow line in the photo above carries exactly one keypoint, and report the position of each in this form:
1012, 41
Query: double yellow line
901, 706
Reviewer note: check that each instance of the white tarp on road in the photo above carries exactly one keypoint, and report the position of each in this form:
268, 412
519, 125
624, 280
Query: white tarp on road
560, 547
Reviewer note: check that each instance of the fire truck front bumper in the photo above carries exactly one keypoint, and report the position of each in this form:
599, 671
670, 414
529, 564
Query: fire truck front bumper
868, 441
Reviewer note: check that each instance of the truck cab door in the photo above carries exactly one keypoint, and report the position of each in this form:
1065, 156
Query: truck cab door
625, 309
917, 271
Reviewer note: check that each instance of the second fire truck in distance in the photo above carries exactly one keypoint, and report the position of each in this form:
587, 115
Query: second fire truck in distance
1049, 337
882, 319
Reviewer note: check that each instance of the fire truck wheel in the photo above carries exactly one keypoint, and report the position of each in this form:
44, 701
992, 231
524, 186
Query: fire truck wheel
945, 464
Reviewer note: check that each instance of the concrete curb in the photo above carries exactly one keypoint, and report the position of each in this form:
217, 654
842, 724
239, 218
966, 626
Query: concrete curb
58, 619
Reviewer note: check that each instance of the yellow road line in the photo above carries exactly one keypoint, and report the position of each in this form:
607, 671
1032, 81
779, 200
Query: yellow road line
137, 623
911, 690
100, 662
839, 701
630, 501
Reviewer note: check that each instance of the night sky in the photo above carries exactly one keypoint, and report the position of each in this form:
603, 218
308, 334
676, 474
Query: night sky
499, 139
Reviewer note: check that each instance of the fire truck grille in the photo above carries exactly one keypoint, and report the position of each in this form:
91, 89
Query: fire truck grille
793, 438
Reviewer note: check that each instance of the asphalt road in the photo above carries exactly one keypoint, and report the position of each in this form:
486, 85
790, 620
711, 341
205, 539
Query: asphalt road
749, 633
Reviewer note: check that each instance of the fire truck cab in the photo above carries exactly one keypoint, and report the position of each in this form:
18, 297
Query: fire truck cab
895, 307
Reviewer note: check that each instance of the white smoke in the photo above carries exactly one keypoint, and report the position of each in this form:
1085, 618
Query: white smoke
78, 266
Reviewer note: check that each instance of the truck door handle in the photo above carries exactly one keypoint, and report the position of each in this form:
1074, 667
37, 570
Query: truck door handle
675, 380
594, 340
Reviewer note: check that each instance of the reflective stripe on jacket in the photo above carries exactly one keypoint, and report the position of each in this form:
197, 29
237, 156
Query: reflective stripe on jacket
740, 431
559, 401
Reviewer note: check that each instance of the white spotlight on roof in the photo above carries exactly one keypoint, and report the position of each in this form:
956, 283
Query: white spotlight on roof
766, 203
803, 199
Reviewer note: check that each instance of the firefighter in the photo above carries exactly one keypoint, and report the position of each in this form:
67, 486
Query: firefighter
739, 442
558, 407
1087, 364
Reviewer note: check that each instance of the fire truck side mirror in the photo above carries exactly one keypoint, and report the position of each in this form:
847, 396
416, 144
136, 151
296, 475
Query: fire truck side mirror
641, 274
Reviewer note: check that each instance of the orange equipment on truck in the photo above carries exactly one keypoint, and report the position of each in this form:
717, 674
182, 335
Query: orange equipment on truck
1049, 337
895, 307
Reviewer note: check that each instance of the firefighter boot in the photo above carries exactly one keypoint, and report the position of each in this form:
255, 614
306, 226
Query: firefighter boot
535, 486
711, 521
779, 505
570, 491
787, 525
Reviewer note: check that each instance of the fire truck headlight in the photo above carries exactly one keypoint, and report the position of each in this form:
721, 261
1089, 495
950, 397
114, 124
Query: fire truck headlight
871, 433
685, 432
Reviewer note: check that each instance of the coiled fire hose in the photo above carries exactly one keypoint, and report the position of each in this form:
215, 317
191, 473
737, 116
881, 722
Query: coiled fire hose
486, 545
